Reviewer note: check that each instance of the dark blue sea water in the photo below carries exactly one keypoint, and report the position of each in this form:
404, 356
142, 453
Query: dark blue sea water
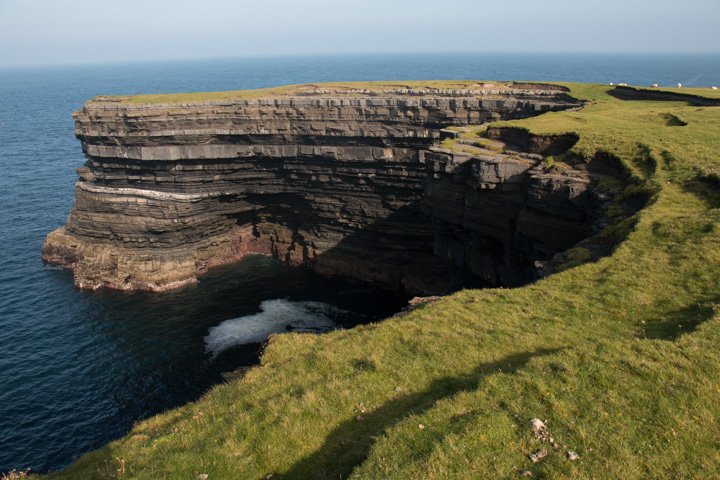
77, 369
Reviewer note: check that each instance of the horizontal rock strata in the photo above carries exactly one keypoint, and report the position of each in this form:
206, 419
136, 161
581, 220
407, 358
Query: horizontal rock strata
502, 217
341, 182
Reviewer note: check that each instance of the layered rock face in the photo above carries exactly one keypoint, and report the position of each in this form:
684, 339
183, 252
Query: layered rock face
342, 181
502, 217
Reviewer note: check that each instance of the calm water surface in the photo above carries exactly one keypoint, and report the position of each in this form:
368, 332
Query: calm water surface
77, 369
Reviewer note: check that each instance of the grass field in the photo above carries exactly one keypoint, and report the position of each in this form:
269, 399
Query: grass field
619, 356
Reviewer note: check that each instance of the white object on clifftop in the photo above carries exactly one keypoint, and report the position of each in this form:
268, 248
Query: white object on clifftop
654, 85
714, 88
679, 85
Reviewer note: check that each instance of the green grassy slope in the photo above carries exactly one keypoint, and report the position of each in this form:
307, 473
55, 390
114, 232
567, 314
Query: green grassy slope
619, 356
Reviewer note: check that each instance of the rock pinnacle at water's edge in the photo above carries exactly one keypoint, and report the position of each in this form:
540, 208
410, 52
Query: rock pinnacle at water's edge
347, 181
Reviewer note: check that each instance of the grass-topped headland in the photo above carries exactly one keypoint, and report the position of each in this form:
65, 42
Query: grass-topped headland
337, 88
618, 356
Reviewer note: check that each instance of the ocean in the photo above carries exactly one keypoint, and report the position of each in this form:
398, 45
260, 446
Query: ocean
78, 369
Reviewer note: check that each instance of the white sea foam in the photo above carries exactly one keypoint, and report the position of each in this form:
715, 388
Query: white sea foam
275, 316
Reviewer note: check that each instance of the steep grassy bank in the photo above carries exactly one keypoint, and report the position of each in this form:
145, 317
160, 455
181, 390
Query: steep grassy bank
619, 356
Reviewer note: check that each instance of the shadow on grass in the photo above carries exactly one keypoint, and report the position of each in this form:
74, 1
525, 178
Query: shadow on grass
634, 93
706, 187
676, 324
349, 444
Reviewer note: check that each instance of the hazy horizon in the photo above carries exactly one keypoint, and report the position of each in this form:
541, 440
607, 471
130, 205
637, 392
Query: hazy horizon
379, 55
86, 32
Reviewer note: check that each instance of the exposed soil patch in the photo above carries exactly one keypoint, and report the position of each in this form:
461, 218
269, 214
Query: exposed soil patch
544, 145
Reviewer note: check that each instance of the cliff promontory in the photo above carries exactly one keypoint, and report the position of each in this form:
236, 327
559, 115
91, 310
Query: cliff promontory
609, 369
345, 180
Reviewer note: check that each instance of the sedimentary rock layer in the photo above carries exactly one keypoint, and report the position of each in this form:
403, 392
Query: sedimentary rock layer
502, 217
340, 181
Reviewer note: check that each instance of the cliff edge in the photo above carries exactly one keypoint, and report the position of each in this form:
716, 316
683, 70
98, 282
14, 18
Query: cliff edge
347, 180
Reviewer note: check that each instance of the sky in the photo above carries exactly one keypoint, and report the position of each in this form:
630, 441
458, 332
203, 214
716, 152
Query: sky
51, 32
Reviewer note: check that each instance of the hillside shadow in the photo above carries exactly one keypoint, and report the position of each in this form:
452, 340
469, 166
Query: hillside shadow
675, 324
367, 240
706, 187
431, 236
348, 445
660, 95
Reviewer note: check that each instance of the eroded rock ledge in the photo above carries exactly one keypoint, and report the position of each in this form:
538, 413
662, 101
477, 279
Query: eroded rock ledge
343, 181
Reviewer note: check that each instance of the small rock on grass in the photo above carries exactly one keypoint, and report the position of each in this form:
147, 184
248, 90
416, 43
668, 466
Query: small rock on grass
534, 457
523, 473
573, 456
539, 429
537, 425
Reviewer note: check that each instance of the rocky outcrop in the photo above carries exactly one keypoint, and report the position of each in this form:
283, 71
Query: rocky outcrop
341, 181
503, 216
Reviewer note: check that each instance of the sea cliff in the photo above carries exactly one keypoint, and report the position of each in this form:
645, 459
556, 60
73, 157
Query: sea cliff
606, 368
345, 180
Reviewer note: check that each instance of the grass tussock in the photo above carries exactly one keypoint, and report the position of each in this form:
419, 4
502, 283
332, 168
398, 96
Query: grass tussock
619, 356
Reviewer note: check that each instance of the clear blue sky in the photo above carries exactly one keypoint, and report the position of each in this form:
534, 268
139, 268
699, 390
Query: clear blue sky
39, 32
